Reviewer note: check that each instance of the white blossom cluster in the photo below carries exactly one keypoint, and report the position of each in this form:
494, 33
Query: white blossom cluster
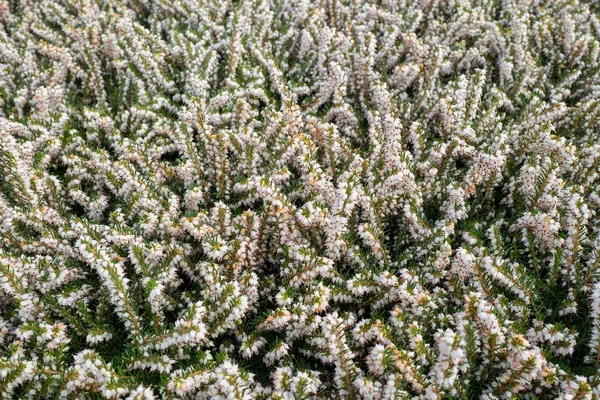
292, 199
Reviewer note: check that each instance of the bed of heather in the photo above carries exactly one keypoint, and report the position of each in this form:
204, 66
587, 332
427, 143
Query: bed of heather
292, 199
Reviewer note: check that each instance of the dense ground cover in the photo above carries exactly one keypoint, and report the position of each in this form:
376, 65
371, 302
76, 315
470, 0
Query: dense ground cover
292, 199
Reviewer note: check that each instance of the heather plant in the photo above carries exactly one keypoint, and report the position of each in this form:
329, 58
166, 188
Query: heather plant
291, 199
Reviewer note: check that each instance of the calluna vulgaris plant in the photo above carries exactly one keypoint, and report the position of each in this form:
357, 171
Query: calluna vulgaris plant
290, 199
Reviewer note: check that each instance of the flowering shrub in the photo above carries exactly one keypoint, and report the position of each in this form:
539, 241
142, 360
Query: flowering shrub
294, 199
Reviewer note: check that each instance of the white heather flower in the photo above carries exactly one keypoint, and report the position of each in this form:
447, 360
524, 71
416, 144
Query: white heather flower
141, 393
279, 351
